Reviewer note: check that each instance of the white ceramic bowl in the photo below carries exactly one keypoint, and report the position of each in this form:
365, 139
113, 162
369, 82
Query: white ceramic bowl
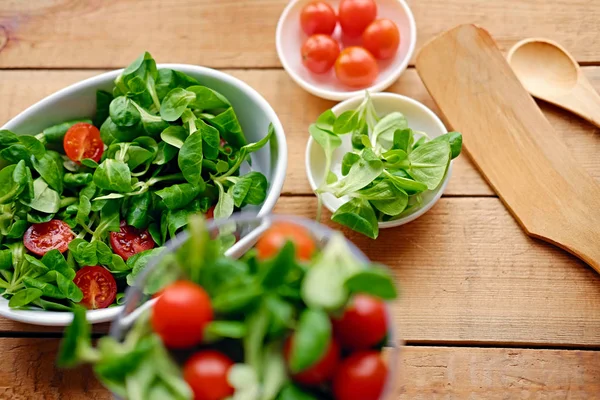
290, 37
79, 100
419, 118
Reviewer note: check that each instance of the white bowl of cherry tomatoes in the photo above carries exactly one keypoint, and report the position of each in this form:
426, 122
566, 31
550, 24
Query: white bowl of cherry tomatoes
337, 49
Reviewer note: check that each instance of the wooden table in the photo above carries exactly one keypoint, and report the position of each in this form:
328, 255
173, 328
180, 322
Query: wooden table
486, 312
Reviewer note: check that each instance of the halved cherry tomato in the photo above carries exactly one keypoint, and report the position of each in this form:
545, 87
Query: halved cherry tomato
363, 324
318, 17
206, 373
181, 313
360, 376
322, 371
276, 237
356, 15
82, 140
41, 238
381, 38
98, 286
130, 240
356, 67
319, 53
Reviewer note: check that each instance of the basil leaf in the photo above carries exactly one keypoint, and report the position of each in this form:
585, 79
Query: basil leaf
77, 180
224, 207
69, 289
45, 199
240, 191
252, 147
113, 175
429, 163
137, 263
50, 168
275, 271
403, 139
394, 206
358, 215
310, 341
24, 297
175, 103
384, 130
328, 142
138, 210
210, 139
346, 122
348, 161
7, 138
326, 121
123, 113
164, 154
55, 261
374, 281
455, 141
47, 289
13, 180
363, 172
382, 190
190, 158
83, 252
17, 229
225, 329
229, 128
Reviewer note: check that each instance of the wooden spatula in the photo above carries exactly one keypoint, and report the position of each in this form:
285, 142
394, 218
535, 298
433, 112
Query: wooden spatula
511, 142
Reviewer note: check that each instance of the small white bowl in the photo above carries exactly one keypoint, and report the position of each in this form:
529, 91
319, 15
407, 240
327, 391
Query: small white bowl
419, 118
79, 100
290, 37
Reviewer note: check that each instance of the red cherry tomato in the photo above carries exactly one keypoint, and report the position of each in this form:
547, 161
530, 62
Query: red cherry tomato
210, 213
41, 238
318, 17
363, 324
322, 371
81, 141
206, 373
319, 53
360, 376
129, 241
381, 38
356, 15
98, 286
181, 313
356, 67
276, 237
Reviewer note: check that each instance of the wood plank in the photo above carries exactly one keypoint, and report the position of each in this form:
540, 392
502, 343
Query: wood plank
42, 33
28, 372
297, 109
469, 275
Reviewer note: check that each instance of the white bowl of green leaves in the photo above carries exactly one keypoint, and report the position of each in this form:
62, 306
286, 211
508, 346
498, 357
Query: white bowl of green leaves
379, 161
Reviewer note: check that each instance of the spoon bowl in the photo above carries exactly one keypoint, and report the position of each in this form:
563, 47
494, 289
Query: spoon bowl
548, 72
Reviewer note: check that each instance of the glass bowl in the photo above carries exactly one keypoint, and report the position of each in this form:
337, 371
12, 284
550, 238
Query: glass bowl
244, 230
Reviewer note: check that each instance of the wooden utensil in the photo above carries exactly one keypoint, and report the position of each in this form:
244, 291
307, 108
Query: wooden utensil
550, 73
511, 142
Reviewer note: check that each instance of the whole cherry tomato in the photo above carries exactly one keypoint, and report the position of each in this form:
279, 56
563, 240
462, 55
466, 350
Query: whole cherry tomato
276, 237
181, 313
322, 371
82, 140
130, 240
363, 324
360, 376
356, 67
318, 17
98, 286
206, 373
382, 39
41, 238
319, 53
356, 15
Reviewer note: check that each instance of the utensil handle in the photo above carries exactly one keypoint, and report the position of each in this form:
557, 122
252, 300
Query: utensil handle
585, 102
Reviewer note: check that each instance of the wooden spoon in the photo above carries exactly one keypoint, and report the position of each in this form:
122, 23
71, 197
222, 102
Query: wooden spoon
550, 73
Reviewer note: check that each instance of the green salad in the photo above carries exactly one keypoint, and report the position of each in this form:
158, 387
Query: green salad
287, 321
86, 203
388, 170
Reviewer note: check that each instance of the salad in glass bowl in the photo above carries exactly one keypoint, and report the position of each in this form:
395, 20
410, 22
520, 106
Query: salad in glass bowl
248, 309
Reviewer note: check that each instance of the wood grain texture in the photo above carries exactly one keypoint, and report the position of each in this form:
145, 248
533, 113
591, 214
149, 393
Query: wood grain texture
60, 33
469, 275
298, 109
27, 371
511, 142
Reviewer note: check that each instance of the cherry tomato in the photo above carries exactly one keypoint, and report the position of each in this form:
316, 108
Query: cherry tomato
81, 141
181, 313
319, 53
276, 237
322, 371
356, 15
356, 67
381, 38
360, 376
206, 373
98, 286
130, 240
363, 324
210, 213
41, 238
318, 17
